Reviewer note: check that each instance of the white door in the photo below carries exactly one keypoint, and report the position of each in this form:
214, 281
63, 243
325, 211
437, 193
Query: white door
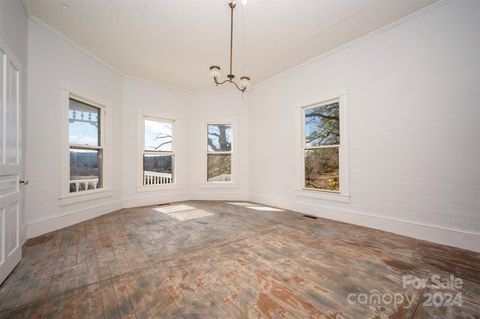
10, 163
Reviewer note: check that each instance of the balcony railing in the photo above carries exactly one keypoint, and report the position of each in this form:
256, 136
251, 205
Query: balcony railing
154, 178
221, 178
77, 183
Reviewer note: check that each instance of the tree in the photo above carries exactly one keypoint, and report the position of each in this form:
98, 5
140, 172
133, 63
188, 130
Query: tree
323, 125
162, 136
218, 138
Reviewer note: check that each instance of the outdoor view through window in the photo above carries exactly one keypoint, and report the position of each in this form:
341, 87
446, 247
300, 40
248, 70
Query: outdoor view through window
219, 153
321, 147
85, 146
158, 155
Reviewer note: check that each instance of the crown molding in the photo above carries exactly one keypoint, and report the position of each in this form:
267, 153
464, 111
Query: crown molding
134, 78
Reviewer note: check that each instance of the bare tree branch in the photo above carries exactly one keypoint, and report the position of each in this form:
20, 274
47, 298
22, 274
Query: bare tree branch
161, 144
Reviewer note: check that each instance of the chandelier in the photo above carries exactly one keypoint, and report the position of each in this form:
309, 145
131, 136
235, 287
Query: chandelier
215, 69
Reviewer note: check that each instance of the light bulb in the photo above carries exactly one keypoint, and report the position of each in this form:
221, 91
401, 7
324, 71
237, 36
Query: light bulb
244, 81
244, 2
214, 72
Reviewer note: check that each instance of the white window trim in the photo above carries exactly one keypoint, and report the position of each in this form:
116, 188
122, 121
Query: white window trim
343, 195
233, 152
65, 197
141, 148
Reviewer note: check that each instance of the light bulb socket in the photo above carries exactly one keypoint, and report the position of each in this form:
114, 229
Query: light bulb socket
215, 67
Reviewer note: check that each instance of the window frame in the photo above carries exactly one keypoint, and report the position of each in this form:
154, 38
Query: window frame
101, 140
232, 153
342, 194
141, 152
65, 196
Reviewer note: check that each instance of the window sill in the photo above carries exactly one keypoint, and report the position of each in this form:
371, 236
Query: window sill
156, 188
79, 197
219, 185
324, 195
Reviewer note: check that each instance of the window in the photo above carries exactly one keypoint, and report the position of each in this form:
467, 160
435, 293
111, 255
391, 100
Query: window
85, 146
321, 146
158, 154
219, 152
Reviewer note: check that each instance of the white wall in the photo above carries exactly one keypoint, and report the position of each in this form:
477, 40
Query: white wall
14, 34
53, 63
414, 114
139, 99
211, 107
190, 110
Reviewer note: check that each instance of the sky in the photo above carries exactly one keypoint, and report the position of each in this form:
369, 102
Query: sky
83, 133
153, 129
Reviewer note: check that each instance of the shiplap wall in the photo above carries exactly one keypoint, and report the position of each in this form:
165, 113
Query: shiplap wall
54, 63
217, 107
414, 127
138, 99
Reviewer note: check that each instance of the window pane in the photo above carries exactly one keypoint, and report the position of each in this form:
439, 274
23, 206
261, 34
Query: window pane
158, 135
219, 137
322, 126
219, 167
157, 169
321, 169
84, 169
84, 124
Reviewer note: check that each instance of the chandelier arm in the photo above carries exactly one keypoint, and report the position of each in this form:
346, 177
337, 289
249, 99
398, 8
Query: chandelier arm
228, 80
220, 83
241, 90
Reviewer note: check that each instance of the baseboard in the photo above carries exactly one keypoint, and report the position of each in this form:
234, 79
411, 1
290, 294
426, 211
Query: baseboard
51, 223
434, 233
153, 200
219, 196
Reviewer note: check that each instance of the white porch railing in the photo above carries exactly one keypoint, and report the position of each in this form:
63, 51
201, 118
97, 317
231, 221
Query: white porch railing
221, 178
85, 182
154, 178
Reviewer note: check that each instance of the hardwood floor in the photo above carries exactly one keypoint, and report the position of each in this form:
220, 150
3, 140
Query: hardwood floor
220, 260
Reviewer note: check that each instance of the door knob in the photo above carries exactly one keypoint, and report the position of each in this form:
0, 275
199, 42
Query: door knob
24, 182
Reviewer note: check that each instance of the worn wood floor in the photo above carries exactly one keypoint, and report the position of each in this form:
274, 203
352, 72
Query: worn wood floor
230, 262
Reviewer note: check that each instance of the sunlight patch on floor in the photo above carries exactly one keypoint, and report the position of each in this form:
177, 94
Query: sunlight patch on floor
265, 208
173, 208
183, 212
239, 203
190, 214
